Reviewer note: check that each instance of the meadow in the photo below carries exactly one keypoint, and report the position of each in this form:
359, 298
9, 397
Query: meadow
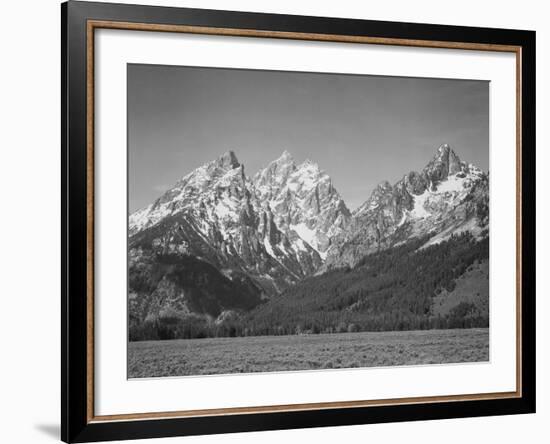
210, 356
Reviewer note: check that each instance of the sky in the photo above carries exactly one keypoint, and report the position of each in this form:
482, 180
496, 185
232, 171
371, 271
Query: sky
360, 129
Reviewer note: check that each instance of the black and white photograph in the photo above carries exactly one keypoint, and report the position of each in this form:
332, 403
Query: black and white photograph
297, 221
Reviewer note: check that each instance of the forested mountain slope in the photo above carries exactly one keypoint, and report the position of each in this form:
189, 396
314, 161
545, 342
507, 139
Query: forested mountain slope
402, 288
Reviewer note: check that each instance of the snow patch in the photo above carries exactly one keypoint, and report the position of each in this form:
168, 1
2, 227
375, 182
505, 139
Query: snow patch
224, 209
403, 219
268, 248
228, 178
300, 244
453, 184
307, 234
419, 211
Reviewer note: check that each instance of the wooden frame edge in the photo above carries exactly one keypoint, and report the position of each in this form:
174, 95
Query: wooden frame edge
237, 32
285, 408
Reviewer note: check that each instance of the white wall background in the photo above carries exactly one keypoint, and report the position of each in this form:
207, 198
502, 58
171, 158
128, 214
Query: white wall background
30, 219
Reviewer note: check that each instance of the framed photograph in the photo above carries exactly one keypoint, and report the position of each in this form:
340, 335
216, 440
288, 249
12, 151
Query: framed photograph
276, 221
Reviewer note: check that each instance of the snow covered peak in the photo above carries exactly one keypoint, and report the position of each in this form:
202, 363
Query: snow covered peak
384, 188
228, 160
299, 201
276, 226
311, 169
443, 164
303, 201
223, 176
284, 161
208, 174
445, 179
447, 197
271, 178
285, 157
445, 151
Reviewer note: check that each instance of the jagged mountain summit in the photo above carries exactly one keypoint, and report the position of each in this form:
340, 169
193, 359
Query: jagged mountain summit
303, 200
196, 188
274, 229
447, 197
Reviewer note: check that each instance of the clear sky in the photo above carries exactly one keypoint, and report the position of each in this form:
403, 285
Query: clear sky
359, 129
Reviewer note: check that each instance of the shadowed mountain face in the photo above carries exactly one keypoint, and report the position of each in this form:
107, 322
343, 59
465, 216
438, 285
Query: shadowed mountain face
221, 241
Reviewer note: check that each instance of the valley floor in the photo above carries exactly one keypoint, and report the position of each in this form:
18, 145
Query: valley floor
305, 352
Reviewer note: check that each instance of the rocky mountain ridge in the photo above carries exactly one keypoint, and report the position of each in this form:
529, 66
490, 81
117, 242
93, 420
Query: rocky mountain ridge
304, 201
275, 227
447, 197
255, 236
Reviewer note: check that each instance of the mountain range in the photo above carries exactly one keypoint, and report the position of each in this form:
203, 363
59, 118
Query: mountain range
222, 242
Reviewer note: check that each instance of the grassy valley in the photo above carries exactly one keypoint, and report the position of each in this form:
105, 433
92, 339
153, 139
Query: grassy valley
305, 352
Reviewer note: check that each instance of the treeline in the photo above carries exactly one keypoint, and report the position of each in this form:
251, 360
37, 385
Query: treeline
389, 290
190, 327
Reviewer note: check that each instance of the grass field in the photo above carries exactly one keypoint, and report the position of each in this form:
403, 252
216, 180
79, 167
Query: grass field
305, 352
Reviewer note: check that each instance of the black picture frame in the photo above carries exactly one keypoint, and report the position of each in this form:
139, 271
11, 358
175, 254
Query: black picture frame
76, 423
